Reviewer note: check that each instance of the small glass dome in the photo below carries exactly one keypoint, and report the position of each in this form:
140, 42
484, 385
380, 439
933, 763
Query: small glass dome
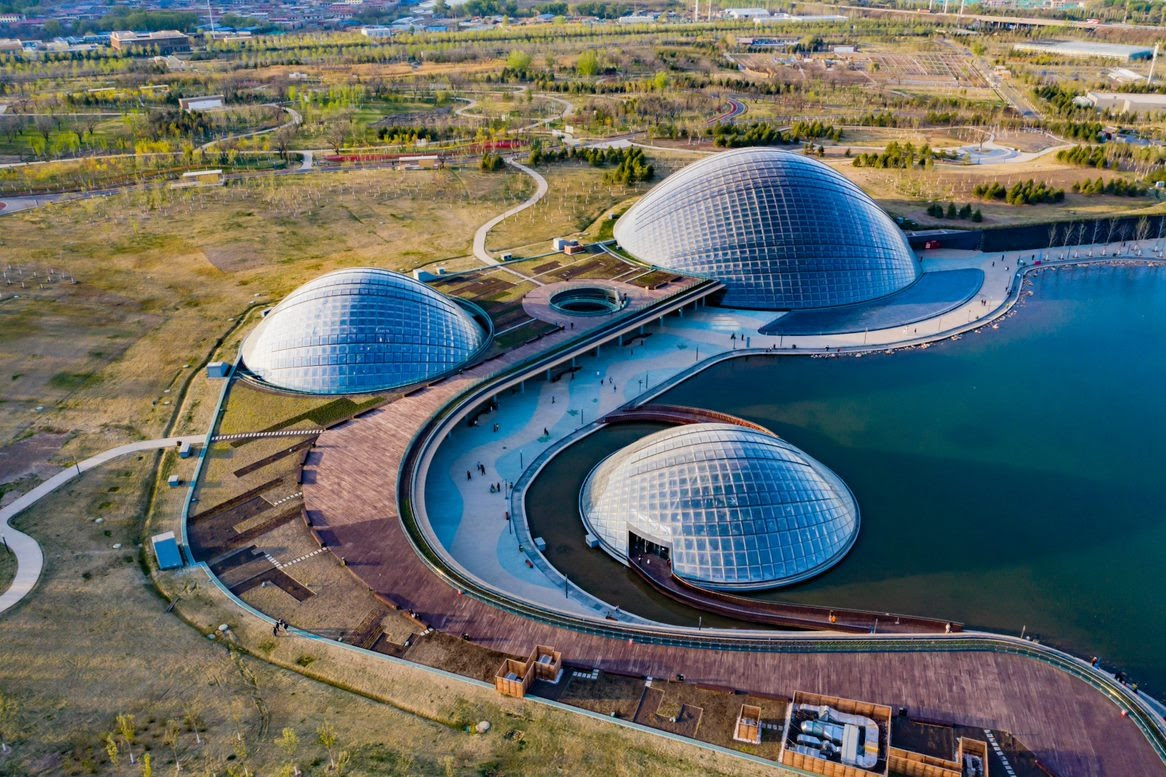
360, 330
780, 230
737, 508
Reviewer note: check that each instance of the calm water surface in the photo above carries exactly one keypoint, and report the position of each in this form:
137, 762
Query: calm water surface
1015, 478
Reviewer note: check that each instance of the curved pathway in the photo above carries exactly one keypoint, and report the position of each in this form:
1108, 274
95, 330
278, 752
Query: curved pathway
480, 251
29, 558
295, 120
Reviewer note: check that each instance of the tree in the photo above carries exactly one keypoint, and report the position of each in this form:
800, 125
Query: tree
282, 141
127, 731
951, 211
337, 131
518, 60
170, 739
327, 737
289, 743
588, 64
977, 216
111, 749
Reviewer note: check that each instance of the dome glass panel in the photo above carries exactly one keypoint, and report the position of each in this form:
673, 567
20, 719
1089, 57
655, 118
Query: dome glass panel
738, 508
360, 330
780, 230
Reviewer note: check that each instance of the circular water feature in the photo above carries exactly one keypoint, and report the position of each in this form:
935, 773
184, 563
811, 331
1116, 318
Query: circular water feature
588, 301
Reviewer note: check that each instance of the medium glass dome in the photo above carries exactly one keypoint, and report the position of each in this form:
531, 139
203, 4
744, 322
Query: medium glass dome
780, 230
360, 330
737, 508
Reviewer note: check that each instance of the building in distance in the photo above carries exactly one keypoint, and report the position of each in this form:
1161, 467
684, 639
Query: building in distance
162, 41
1087, 49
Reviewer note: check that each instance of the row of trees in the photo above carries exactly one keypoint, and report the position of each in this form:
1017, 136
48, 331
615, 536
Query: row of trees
898, 156
761, 133
492, 162
937, 210
1118, 186
1085, 156
633, 167
1020, 193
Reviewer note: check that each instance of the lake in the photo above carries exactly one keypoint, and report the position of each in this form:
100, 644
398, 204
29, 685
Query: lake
1013, 479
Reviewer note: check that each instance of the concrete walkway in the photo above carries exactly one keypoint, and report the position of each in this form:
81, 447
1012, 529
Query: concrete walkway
480, 251
295, 119
29, 559
467, 516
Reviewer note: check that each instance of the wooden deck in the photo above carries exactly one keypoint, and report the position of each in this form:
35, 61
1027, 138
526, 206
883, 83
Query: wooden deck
679, 414
657, 572
349, 486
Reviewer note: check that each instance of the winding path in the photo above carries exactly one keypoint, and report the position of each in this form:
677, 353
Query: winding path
480, 251
295, 120
29, 558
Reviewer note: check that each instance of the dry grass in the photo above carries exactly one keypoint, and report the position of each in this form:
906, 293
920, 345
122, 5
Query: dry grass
908, 192
153, 296
575, 199
7, 567
96, 620
606, 694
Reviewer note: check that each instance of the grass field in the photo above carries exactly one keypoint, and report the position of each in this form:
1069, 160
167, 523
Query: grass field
7, 567
577, 196
95, 612
103, 357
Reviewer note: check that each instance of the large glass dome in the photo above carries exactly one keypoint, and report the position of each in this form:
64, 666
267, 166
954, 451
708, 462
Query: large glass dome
735, 507
360, 330
780, 230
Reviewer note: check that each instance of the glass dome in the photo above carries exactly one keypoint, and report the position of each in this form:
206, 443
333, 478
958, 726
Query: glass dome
737, 508
360, 330
780, 230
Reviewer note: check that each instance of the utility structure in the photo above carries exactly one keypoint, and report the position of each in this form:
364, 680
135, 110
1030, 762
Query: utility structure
1153, 61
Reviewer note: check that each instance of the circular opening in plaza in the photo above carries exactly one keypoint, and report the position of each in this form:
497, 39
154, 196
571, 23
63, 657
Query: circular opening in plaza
588, 301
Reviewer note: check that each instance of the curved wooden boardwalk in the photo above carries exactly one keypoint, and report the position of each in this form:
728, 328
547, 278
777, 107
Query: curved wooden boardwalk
658, 573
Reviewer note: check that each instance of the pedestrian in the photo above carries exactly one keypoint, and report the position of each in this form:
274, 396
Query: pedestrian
275, 629
552, 399
545, 432
468, 475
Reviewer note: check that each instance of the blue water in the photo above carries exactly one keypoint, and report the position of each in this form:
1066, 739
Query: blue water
1013, 479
